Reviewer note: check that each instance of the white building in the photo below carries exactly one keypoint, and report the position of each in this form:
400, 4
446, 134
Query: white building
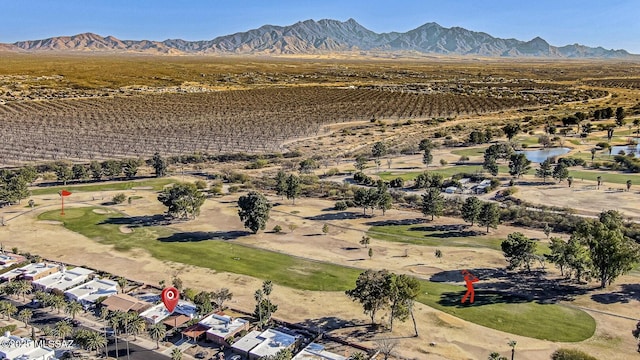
88, 293
271, 342
16, 348
246, 343
222, 327
159, 312
30, 272
315, 351
63, 280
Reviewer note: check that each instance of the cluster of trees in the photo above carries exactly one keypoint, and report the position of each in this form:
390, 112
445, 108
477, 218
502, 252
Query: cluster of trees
480, 137
206, 300
264, 308
14, 184
485, 213
596, 249
288, 186
183, 200
381, 289
373, 198
495, 152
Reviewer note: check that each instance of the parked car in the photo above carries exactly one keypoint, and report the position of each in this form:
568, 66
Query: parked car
201, 355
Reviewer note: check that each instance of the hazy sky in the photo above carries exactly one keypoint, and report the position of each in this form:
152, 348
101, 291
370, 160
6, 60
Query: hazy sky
607, 23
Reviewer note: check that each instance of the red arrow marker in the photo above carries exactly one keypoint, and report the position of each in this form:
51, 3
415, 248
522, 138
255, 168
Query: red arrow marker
170, 297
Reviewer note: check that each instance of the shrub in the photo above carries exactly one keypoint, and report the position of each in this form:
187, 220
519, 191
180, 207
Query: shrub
332, 172
234, 189
340, 205
201, 184
10, 328
119, 198
443, 162
396, 183
571, 354
277, 229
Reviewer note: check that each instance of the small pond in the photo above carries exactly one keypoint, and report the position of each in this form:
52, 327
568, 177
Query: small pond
626, 148
540, 155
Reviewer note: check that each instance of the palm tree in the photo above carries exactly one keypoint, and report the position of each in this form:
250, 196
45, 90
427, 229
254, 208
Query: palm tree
122, 282
176, 354
23, 287
512, 344
73, 308
63, 329
25, 315
58, 302
136, 325
157, 331
47, 331
114, 320
8, 309
94, 341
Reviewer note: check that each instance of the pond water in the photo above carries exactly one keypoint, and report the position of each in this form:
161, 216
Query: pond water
626, 148
538, 156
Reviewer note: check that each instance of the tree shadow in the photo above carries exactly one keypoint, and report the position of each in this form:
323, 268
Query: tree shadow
499, 286
138, 221
350, 248
627, 293
349, 215
197, 236
329, 323
396, 222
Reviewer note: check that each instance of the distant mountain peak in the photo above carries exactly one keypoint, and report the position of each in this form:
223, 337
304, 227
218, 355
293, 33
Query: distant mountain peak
326, 36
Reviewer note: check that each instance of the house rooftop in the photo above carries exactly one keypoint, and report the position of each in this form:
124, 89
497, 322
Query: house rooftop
315, 351
247, 342
91, 291
272, 342
159, 312
125, 303
28, 270
64, 280
222, 325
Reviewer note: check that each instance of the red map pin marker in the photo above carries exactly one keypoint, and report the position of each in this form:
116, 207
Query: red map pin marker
170, 297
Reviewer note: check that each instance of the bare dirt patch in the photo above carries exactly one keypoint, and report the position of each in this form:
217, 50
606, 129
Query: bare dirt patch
125, 229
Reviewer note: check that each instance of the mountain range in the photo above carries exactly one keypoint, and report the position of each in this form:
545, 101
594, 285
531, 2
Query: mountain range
328, 36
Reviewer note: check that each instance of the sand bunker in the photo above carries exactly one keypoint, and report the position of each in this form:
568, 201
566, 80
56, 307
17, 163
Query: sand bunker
101, 211
424, 270
125, 229
50, 222
142, 188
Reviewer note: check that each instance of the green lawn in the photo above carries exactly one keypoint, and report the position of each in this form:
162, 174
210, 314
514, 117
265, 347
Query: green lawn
420, 234
217, 254
607, 177
156, 184
553, 322
423, 234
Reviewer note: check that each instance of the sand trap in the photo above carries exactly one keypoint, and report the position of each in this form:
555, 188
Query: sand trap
142, 188
50, 222
425, 270
125, 229
101, 211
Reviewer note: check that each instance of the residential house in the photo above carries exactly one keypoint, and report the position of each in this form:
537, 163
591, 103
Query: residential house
31, 272
64, 280
159, 312
223, 327
315, 351
88, 293
8, 259
16, 348
125, 303
256, 345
